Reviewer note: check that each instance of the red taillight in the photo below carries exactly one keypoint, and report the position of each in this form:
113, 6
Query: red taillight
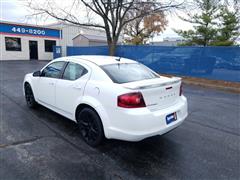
131, 100
181, 90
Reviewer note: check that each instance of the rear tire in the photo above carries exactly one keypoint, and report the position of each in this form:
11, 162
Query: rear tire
30, 100
90, 127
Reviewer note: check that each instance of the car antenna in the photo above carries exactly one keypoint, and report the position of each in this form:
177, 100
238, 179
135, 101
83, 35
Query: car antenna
118, 59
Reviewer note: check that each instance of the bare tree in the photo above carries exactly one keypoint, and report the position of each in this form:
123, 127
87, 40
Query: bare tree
112, 14
141, 29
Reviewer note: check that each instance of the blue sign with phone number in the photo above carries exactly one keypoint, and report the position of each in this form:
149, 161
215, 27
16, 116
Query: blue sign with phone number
29, 30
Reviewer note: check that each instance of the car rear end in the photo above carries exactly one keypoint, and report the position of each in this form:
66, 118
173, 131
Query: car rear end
146, 105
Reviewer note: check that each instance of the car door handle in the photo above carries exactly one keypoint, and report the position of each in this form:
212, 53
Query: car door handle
51, 83
77, 87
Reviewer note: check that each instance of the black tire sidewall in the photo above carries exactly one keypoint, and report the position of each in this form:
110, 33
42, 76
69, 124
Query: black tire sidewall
34, 103
98, 122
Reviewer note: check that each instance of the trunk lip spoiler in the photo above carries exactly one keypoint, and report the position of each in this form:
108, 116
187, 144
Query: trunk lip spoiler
173, 81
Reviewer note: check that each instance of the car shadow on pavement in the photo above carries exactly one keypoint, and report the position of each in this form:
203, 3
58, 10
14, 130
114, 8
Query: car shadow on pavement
143, 158
146, 158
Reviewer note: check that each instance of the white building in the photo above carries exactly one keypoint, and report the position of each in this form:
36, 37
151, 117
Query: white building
70, 31
169, 41
89, 40
20, 41
23, 42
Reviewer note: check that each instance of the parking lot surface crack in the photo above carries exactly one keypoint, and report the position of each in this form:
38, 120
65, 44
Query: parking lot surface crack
23, 141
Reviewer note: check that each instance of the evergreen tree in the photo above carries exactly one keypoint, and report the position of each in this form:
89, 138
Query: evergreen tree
229, 28
204, 21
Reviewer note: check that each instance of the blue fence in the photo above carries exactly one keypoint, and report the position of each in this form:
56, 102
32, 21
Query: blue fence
219, 63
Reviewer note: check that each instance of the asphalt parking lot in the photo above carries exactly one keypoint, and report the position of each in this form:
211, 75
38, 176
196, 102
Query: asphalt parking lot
40, 144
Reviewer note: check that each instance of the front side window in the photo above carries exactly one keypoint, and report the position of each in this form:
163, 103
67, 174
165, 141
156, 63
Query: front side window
128, 72
49, 45
53, 70
74, 71
13, 44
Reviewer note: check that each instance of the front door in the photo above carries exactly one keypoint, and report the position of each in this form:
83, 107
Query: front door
33, 50
46, 90
47, 82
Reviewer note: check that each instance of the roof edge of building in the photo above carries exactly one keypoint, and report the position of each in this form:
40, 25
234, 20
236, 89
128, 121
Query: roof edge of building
26, 24
69, 24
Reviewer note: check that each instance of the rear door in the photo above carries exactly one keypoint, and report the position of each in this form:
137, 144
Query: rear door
71, 87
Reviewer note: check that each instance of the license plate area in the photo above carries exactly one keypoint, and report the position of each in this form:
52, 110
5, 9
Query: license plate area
171, 118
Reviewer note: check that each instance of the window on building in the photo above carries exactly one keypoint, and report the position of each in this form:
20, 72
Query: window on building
74, 71
13, 44
49, 45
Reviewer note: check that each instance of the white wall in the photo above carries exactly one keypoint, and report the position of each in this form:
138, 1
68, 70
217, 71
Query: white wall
24, 53
80, 41
97, 43
71, 31
166, 43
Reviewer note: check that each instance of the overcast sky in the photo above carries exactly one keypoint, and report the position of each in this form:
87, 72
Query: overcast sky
13, 10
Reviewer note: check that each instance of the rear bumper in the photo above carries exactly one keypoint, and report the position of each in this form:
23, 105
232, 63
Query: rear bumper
138, 124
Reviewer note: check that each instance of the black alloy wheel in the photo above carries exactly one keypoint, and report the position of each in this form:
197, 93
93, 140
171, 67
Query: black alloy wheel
90, 127
29, 96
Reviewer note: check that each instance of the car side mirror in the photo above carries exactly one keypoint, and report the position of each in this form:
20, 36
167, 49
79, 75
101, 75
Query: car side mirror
37, 74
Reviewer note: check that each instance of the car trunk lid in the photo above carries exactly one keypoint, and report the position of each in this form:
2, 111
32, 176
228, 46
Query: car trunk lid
158, 93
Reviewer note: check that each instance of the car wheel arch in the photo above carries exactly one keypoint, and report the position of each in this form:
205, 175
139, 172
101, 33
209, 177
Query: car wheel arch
100, 114
27, 80
25, 84
81, 107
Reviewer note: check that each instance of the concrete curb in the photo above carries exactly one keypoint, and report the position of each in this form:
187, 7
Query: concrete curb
212, 86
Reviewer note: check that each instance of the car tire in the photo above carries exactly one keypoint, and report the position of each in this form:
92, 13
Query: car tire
29, 96
90, 127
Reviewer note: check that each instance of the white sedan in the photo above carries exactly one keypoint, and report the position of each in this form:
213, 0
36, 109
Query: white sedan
110, 97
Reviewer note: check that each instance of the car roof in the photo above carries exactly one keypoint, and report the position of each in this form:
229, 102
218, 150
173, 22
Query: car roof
102, 60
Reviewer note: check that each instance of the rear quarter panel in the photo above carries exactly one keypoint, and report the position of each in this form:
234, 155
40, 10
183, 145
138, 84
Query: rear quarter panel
102, 96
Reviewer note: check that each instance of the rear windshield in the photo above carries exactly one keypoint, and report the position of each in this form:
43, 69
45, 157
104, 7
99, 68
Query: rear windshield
124, 73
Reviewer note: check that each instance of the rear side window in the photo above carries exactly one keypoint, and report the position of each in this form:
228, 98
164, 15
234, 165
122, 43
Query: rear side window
53, 70
128, 72
74, 71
